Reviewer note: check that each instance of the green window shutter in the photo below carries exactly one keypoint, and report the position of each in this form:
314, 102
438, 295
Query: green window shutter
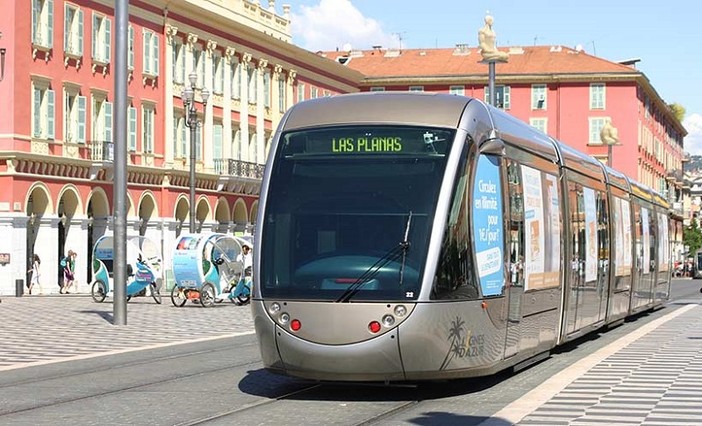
96, 33
174, 51
81, 118
217, 142
50, 25
80, 32
108, 122
66, 26
183, 139
35, 19
132, 128
198, 143
131, 47
50, 111
108, 39
175, 137
37, 113
155, 54
147, 52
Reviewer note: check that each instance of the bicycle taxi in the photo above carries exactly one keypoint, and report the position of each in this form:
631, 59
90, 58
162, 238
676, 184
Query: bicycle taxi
143, 268
207, 269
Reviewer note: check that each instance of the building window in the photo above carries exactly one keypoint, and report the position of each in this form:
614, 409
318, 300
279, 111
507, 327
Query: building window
281, 94
150, 53
102, 29
252, 77
266, 88
178, 61
132, 117
43, 23
236, 79
597, 96
147, 129
376, 89
43, 111
198, 66
130, 49
502, 96
416, 88
596, 125
73, 30
300, 92
457, 90
540, 124
538, 96
217, 73
74, 115
217, 143
314, 93
102, 120
180, 139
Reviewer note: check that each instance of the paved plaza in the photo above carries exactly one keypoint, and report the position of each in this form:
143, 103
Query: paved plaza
43, 329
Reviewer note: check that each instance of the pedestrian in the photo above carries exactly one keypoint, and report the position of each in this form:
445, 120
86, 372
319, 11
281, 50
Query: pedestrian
246, 259
69, 267
35, 274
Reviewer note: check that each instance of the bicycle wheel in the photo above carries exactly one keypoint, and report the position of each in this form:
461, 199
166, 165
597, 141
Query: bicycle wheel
207, 295
178, 296
98, 291
155, 293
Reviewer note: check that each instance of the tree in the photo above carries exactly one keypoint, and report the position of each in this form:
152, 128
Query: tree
678, 110
692, 237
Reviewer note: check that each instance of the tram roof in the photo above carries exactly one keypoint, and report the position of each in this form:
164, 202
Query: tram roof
617, 178
423, 109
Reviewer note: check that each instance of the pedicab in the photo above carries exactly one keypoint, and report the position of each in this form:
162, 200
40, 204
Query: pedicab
143, 268
207, 269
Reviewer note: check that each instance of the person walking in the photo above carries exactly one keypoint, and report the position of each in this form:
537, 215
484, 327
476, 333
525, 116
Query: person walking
35, 274
69, 267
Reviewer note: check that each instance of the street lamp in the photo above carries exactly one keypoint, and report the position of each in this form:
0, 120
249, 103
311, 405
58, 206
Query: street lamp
192, 122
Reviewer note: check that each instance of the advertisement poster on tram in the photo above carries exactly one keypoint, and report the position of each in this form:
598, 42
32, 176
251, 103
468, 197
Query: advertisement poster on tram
590, 234
533, 229
553, 232
627, 256
488, 226
663, 249
646, 241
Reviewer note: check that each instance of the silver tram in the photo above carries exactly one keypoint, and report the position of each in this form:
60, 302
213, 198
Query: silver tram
406, 236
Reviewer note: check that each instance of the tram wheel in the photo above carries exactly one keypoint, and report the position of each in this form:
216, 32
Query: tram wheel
207, 295
178, 296
155, 293
98, 291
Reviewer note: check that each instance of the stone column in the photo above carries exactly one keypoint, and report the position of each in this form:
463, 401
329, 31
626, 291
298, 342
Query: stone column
229, 59
244, 113
260, 112
208, 82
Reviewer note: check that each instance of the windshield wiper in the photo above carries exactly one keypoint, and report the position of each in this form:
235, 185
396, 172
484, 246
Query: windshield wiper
390, 256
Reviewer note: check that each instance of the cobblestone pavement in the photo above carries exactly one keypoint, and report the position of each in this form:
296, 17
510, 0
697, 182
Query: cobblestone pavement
43, 329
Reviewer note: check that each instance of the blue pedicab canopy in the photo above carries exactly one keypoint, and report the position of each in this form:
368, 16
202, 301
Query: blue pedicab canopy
209, 257
138, 247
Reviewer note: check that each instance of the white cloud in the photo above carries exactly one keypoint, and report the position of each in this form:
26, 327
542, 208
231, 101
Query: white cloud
693, 140
331, 24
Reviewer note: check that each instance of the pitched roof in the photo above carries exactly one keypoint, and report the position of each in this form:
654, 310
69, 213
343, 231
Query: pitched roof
463, 61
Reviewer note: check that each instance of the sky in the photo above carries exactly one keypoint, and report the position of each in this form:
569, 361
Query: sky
666, 37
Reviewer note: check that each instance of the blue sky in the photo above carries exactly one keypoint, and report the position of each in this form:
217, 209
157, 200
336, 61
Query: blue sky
666, 36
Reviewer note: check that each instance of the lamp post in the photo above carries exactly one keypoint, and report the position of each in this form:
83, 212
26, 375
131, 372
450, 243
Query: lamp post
192, 122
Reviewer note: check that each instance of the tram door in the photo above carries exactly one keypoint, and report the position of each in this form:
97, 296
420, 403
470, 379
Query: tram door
515, 287
644, 246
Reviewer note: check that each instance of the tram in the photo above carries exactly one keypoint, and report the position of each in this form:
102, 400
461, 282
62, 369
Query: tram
415, 236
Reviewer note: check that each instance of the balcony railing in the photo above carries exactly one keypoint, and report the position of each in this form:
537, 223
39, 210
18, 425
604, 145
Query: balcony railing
245, 169
102, 151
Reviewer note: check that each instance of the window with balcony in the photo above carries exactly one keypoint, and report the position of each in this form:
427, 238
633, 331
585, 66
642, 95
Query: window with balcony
457, 90
102, 29
596, 125
540, 124
73, 31
150, 53
43, 24
178, 61
281, 95
538, 96
74, 116
147, 128
43, 111
217, 152
217, 73
101, 121
502, 96
597, 96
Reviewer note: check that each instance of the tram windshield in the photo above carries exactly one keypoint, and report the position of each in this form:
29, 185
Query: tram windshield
349, 211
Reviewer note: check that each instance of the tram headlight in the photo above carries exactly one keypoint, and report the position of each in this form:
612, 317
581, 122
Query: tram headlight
400, 310
284, 318
274, 308
388, 320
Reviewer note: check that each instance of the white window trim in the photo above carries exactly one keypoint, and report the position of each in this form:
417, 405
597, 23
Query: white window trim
459, 90
540, 95
603, 86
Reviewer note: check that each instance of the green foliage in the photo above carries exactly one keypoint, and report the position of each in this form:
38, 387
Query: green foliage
678, 111
692, 236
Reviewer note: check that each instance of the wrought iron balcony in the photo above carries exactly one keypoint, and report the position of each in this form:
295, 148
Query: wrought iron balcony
245, 169
102, 151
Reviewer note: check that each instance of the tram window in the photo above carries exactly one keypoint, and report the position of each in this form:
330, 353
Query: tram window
516, 224
456, 277
602, 236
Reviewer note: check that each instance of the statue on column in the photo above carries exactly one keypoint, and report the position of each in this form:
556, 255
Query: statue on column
486, 42
609, 134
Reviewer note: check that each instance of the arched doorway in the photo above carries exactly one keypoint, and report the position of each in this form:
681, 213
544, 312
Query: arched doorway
222, 216
98, 212
202, 213
240, 217
38, 206
70, 235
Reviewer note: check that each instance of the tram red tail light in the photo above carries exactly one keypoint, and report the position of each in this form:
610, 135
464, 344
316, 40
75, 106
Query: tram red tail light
374, 327
295, 325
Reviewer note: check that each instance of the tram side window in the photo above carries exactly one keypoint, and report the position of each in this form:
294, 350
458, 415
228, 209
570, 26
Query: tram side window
455, 276
602, 234
577, 226
516, 224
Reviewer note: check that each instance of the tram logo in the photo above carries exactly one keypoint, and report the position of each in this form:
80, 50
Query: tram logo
462, 343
